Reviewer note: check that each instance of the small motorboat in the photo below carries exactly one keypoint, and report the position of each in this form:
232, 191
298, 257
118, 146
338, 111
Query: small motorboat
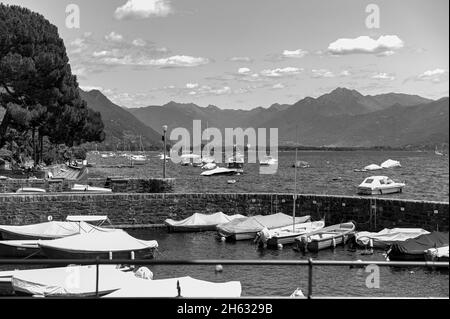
104, 245
301, 164
286, 235
415, 249
19, 249
247, 228
200, 222
209, 166
30, 190
391, 164
379, 185
387, 237
369, 168
185, 287
268, 160
437, 254
220, 171
54, 229
328, 237
231, 182
89, 189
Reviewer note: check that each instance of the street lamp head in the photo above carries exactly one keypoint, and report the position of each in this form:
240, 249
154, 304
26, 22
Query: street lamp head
165, 128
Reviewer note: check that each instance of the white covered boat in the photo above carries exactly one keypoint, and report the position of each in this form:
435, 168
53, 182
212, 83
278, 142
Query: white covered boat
373, 167
89, 189
379, 185
30, 190
286, 235
220, 171
268, 160
247, 228
200, 222
72, 281
387, 237
49, 230
105, 245
391, 164
19, 249
185, 287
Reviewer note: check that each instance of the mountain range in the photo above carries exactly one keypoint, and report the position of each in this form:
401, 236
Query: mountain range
341, 118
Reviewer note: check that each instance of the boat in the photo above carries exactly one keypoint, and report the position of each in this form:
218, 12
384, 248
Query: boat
387, 237
438, 153
138, 159
328, 237
161, 157
414, 249
391, 164
185, 287
437, 254
372, 167
237, 161
103, 245
89, 189
220, 171
268, 160
301, 164
71, 281
209, 166
247, 228
379, 185
231, 182
19, 249
30, 190
49, 230
298, 293
199, 222
286, 235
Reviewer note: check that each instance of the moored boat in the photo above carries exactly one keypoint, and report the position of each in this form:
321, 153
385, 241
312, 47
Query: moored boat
247, 228
286, 235
387, 237
414, 249
268, 160
199, 222
437, 254
379, 185
89, 189
30, 190
19, 249
220, 171
104, 245
328, 237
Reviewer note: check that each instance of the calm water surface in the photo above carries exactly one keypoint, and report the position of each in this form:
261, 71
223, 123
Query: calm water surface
332, 173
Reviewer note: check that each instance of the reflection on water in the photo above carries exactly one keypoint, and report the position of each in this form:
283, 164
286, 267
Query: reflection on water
426, 175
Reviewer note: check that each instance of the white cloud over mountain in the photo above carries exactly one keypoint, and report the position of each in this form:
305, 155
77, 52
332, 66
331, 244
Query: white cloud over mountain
383, 46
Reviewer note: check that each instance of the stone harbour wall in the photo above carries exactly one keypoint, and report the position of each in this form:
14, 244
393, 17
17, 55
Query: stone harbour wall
146, 210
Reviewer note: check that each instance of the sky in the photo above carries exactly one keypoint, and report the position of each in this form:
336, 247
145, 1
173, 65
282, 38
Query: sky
242, 54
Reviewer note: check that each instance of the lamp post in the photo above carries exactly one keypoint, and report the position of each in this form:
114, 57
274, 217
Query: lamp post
164, 139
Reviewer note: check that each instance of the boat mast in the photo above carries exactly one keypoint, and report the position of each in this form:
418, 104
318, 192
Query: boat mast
295, 180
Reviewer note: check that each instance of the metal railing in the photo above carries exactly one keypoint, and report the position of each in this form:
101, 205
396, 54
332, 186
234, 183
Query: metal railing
310, 263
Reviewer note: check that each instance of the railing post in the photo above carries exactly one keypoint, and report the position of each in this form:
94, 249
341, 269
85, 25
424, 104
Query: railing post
97, 277
310, 278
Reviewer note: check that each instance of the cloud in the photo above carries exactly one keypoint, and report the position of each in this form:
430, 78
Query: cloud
114, 37
322, 73
168, 62
383, 76
435, 76
139, 43
244, 71
279, 72
383, 46
142, 9
192, 85
241, 59
294, 54
278, 86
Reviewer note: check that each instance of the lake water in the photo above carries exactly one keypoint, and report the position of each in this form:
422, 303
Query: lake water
425, 174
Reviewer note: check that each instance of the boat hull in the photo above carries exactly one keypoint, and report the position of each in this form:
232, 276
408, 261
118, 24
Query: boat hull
237, 236
190, 229
54, 253
376, 191
328, 238
7, 235
12, 250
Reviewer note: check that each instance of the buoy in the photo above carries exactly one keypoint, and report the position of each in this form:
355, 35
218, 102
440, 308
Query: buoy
50, 218
219, 268
280, 246
223, 239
